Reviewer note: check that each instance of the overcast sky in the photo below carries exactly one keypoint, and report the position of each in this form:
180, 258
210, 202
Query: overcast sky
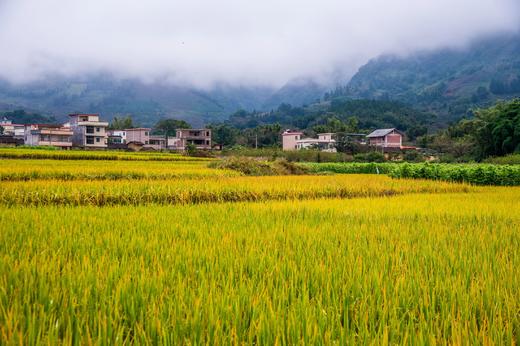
199, 42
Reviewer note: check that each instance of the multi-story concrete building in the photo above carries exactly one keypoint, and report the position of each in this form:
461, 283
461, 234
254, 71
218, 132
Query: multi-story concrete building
292, 140
119, 136
88, 131
141, 135
52, 135
200, 138
138, 134
157, 142
10, 129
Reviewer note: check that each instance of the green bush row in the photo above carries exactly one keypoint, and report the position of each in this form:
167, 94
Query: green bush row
478, 174
349, 168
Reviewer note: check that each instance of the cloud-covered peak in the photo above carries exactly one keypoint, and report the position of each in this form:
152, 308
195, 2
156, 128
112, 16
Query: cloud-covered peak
201, 42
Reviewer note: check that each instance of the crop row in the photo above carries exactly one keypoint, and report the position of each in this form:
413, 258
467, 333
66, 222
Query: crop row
477, 174
349, 167
24, 170
411, 270
212, 189
23, 153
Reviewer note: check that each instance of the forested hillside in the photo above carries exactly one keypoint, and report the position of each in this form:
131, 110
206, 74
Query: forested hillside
148, 102
447, 82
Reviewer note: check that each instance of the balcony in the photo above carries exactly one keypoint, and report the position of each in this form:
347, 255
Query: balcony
56, 143
55, 132
93, 123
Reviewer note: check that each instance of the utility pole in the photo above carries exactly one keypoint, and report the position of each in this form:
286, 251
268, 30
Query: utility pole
256, 141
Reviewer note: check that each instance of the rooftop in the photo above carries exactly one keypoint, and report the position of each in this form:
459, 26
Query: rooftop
382, 132
83, 114
290, 132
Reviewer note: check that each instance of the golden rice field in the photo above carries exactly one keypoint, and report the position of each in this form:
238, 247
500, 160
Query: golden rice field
228, 259
30, 153
33, 169
211, 189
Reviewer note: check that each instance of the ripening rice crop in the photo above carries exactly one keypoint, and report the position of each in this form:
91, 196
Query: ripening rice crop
29, 153
212, 189
23, 170
412, 269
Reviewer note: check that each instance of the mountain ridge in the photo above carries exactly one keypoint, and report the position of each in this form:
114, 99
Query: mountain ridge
447, 82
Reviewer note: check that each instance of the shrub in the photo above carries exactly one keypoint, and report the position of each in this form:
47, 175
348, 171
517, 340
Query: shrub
513, 159
372, 156
478, 174
250, 166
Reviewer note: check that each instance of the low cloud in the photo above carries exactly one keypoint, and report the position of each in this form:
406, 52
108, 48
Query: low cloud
202, 42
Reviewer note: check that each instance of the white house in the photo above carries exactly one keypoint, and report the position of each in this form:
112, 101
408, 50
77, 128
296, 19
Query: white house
292, 140
89, 131
16, 130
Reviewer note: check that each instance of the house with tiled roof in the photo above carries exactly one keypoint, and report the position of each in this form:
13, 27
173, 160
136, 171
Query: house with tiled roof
386, 138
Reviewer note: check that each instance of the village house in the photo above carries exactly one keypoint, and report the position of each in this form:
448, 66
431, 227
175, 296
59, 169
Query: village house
386, 138
10, 129
157, 142
51, 135
142, 136
117, 136
138, 134
200, 138
88, 131
10, 141
292, 140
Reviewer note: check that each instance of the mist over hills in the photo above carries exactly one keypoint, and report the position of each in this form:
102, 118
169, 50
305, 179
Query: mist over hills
446, 83
148, 102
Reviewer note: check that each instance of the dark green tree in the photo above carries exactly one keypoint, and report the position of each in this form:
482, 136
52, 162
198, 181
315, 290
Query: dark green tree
168, 127
497, 129
224, 134
121, 123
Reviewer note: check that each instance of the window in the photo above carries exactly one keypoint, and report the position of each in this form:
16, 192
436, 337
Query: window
207, 134
296, 137
145, 142
146, 133
97, 129
90, 140
97, 139
90, 129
